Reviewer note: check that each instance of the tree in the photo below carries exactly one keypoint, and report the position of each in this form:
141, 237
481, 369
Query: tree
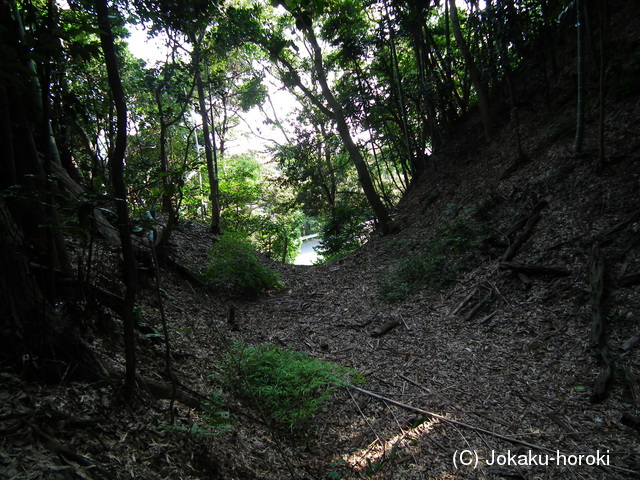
116, 162
474, 72
212, 167
577, 143
169, 116
33, 253
326, 102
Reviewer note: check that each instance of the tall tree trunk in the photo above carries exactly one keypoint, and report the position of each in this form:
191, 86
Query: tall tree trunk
476, 78
355, 154
577, 143
167, 204
208, 148
398, 84
116, 163
601, 156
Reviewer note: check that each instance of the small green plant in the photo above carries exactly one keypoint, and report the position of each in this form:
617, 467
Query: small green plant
288, 387
435, 266
334, 474
234, 262
215, 419
412, 273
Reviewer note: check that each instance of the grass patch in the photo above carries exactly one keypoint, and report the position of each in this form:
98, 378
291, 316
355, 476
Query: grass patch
287, 387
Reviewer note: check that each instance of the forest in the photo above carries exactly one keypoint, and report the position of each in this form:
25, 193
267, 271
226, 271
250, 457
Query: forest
469, 168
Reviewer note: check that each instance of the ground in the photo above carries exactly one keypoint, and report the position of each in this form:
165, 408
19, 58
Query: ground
488, 373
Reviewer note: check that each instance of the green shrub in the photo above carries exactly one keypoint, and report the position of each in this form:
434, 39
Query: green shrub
343, 232
234, 262
287, 386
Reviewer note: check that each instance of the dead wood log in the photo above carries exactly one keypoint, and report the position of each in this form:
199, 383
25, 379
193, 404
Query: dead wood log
166, 390
630, 421
538, 207
54, 446
187, 273
596, 280
601, 383
520, 239
385, 328
108, 299
632, 382
564, 425
463, 302
628, 280
554, 270
633, 217
483, 301
451, 421
488, 317
632, 342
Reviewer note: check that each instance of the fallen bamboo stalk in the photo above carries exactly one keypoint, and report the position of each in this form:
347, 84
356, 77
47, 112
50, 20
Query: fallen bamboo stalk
596, 281
450, 420
474, 428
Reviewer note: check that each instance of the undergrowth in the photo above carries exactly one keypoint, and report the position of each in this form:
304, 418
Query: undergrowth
436, 264
287, 387
235, 263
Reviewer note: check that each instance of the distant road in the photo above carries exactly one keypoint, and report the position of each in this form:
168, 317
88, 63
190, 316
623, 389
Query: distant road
307, 255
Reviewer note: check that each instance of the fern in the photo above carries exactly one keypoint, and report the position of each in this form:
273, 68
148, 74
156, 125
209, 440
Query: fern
288, 386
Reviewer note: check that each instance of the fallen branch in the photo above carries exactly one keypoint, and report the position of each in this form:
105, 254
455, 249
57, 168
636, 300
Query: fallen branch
628, 280
564, 425
523, 221
633, 217
487, 318
520, 239
483, 301
530, 269
54, 446
451, 421
632, 382
632, 342
463, 303
167, 391
385, 328
474, 428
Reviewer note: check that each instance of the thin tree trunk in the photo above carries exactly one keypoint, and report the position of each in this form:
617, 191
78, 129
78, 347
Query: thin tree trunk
601, 157
208, 149
116, 162
476, 78
167, 205
577, 144
403, 110
355, 154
